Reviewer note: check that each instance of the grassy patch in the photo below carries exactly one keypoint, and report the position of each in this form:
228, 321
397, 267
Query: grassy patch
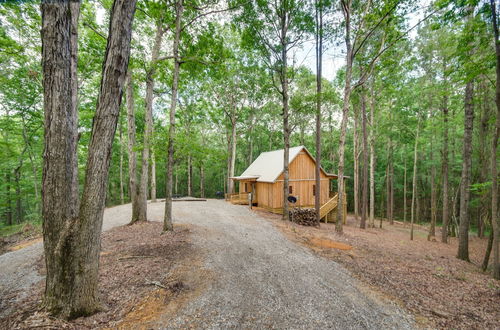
26, 227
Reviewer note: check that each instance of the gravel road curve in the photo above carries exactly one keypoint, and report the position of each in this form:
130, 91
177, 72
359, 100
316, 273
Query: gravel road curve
262, 280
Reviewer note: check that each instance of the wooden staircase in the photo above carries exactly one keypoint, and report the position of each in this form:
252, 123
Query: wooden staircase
328, 206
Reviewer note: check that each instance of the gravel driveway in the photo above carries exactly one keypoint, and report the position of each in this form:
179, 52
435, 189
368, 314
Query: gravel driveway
262, 280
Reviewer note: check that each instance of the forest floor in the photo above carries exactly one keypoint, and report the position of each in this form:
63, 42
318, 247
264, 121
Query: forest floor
424, 277
19, 236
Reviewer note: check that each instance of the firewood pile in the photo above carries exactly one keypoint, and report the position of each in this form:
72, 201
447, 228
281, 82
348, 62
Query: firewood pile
304, 217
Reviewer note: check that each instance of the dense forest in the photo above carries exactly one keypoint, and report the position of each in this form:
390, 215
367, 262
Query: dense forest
408, 113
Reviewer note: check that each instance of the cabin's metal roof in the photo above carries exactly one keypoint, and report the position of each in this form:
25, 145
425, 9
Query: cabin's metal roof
269, 165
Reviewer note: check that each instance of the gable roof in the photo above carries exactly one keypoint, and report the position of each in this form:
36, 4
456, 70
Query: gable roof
269, 165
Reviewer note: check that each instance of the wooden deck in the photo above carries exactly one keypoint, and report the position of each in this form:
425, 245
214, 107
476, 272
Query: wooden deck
238, 198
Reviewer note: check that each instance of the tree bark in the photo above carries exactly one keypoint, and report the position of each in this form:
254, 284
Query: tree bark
153, 175
190, 179
150, 83
364, 193
71, 240
167, 220
446, 203
414, 188
319, 57
495, 219
132, 157
284, 21
404, 192
463, 236
122, 198
202, 181
372, 158
432, 228
346, 9
356, 164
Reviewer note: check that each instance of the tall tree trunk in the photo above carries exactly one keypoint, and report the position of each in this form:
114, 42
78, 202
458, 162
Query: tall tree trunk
432, 228
414, 188
72, 240
284, 21
17, 179
390, 196
446, 203
364, 200
404, 192
120, 126
153, 175
356, 164
463, 236
167, 220
142, 214
495, 219
346, 9
132, 157
319, 57
202, 181
8, 212
372, 157
189, 177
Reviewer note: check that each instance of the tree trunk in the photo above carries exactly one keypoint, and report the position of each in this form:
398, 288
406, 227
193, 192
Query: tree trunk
364, 193
446, 203
404, 193
190, 179
319, 56
345, 113
414, 188
71, 240
356, 164
432, 228
167, 220
372, 158
153, 175
17, 179
286, 127
463, 236
8, 212
122, 198
202, 181
132, 157
495, 219
142, 214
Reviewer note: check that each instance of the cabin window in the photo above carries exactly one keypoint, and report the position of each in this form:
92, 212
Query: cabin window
246, 188
290, 190
314, 190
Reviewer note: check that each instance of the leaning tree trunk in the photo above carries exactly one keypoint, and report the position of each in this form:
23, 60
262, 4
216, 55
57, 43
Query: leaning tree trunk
463, 236
167, 219
72, 241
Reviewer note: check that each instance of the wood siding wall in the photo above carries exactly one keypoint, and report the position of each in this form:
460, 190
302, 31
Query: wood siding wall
302, 180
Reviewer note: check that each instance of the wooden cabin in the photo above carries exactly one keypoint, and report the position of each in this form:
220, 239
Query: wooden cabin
261, 184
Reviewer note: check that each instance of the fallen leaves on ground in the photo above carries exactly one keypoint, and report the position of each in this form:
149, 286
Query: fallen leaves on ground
137, 262
423, 276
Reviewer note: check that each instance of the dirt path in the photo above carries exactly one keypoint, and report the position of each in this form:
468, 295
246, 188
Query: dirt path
260, 278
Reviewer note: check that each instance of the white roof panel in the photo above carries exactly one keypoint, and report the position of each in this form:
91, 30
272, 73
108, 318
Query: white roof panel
269, 165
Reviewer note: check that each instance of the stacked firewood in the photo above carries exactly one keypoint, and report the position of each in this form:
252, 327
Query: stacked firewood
304, 217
